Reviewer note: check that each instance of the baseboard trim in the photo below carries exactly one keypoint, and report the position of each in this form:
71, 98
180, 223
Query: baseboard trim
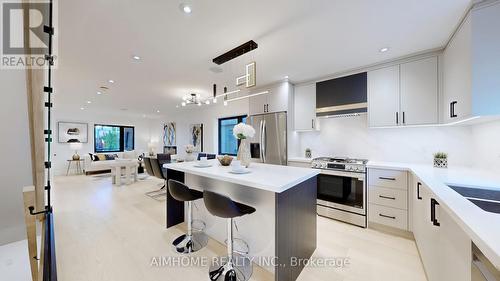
391, 230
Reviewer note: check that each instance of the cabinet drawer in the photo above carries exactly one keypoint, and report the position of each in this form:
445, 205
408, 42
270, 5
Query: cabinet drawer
388, 178
388, 216
390, 197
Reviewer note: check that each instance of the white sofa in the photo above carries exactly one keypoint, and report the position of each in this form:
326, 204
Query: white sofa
100, 166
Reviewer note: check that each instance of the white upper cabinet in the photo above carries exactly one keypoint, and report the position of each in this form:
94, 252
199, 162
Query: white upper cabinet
457, 76
258, 104
276, 101
471, 65
405, 94
419, 92
304, 107
383, 97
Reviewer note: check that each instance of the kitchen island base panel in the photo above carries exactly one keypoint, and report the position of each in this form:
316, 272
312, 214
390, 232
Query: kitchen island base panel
296, 225
284, 225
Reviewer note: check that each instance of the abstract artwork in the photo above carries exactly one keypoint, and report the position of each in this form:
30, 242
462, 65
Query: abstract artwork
196, 136
169, 131
72, 132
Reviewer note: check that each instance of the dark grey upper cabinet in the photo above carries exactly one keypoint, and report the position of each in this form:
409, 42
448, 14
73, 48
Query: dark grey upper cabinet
342, 95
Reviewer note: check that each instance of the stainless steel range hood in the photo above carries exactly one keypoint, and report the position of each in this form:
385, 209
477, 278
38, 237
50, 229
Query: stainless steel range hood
342, 97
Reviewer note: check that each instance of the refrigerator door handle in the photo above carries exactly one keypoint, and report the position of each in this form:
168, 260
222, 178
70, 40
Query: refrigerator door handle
261, 129
264, 141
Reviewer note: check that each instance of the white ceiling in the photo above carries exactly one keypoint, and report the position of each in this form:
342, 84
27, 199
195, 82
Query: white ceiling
302, 39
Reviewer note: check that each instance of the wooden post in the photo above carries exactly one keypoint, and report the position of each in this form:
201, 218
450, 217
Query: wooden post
29, 200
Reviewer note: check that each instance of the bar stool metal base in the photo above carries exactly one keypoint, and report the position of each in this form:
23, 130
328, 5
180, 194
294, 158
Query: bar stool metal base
239, 269
185, 244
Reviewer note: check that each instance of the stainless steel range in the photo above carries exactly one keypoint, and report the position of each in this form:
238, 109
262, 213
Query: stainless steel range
342, 189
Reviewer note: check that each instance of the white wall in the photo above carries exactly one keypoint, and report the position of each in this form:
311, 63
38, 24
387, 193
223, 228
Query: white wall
486, 143
61, 152
351, 137
15, 168
208, 115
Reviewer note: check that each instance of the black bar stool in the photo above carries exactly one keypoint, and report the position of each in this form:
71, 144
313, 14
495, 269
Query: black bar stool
234, 267
191, 241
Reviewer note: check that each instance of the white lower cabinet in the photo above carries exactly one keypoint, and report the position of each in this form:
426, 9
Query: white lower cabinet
388, 198
445, 249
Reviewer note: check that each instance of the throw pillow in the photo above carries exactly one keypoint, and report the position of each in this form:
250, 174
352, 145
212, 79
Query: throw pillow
110, 156
93, 157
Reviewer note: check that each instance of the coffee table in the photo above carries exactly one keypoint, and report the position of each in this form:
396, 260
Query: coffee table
129, 169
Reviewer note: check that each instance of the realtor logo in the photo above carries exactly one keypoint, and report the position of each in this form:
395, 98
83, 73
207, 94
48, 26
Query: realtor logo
22, 50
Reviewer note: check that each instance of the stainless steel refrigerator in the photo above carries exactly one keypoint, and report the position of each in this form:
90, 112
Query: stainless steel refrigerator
269, 143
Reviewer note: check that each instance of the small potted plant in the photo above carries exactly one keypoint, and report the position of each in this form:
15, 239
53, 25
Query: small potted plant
308, 153
441, 160
243, 132
189, 152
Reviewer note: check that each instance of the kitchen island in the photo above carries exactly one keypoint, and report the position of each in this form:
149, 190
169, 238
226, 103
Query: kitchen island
283, 228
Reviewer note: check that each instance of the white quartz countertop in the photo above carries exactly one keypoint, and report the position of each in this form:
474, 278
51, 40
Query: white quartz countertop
482, 227
273, 178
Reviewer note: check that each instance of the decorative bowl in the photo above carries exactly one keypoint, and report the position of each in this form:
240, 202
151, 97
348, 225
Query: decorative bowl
225, 160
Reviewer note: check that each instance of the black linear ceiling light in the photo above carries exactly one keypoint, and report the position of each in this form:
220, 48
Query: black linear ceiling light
236, 52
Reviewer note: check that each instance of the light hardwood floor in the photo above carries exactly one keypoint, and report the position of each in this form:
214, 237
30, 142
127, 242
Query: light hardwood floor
108, 233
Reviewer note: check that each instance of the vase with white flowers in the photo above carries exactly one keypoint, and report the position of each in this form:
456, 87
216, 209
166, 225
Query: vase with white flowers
244, 132
189, 152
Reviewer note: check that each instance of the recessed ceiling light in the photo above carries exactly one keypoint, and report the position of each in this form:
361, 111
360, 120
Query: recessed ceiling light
135, 57
158, 111
177, 106
99, 93
286, 77
89, 102
185, 8
383, 50
111, 81
82, 108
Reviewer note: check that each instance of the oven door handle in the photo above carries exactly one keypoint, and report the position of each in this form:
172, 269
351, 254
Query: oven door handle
359, 176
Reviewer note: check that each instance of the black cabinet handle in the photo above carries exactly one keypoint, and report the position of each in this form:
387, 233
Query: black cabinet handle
387, 197
418, 191
452, 109
312, 123
389, 179
433, 212
404, 121
385, 216
397, 118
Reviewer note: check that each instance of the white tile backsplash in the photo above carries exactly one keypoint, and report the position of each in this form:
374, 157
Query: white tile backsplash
351, 137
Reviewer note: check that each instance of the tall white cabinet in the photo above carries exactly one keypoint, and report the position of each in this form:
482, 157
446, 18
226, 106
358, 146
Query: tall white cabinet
405, 94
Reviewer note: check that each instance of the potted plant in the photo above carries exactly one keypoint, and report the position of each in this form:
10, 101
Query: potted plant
308, 153
440, 160
243, 132
189, 152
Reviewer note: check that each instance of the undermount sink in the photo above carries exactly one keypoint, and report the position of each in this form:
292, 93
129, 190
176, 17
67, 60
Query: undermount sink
486, 199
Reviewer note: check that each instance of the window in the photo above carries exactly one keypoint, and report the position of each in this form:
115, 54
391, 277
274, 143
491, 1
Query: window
228, 144
112, 138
